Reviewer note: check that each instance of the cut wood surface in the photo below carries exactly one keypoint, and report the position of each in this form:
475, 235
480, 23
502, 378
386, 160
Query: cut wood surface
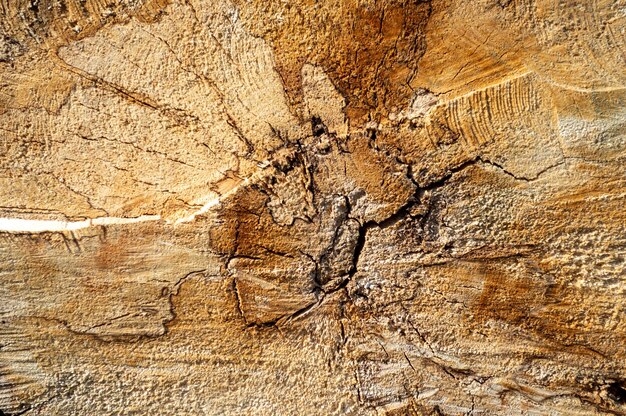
337, 207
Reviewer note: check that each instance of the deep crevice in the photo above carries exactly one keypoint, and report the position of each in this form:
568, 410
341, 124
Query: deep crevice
617, 392
397, 216
318, 128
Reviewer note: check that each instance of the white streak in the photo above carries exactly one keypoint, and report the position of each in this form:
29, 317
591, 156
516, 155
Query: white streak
19, 225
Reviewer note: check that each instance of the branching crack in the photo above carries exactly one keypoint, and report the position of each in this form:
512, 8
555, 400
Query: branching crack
517, 177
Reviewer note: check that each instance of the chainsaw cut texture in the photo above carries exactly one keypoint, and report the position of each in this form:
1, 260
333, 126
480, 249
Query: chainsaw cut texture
304, 208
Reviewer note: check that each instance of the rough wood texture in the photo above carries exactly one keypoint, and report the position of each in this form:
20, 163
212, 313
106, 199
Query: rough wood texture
398, 207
